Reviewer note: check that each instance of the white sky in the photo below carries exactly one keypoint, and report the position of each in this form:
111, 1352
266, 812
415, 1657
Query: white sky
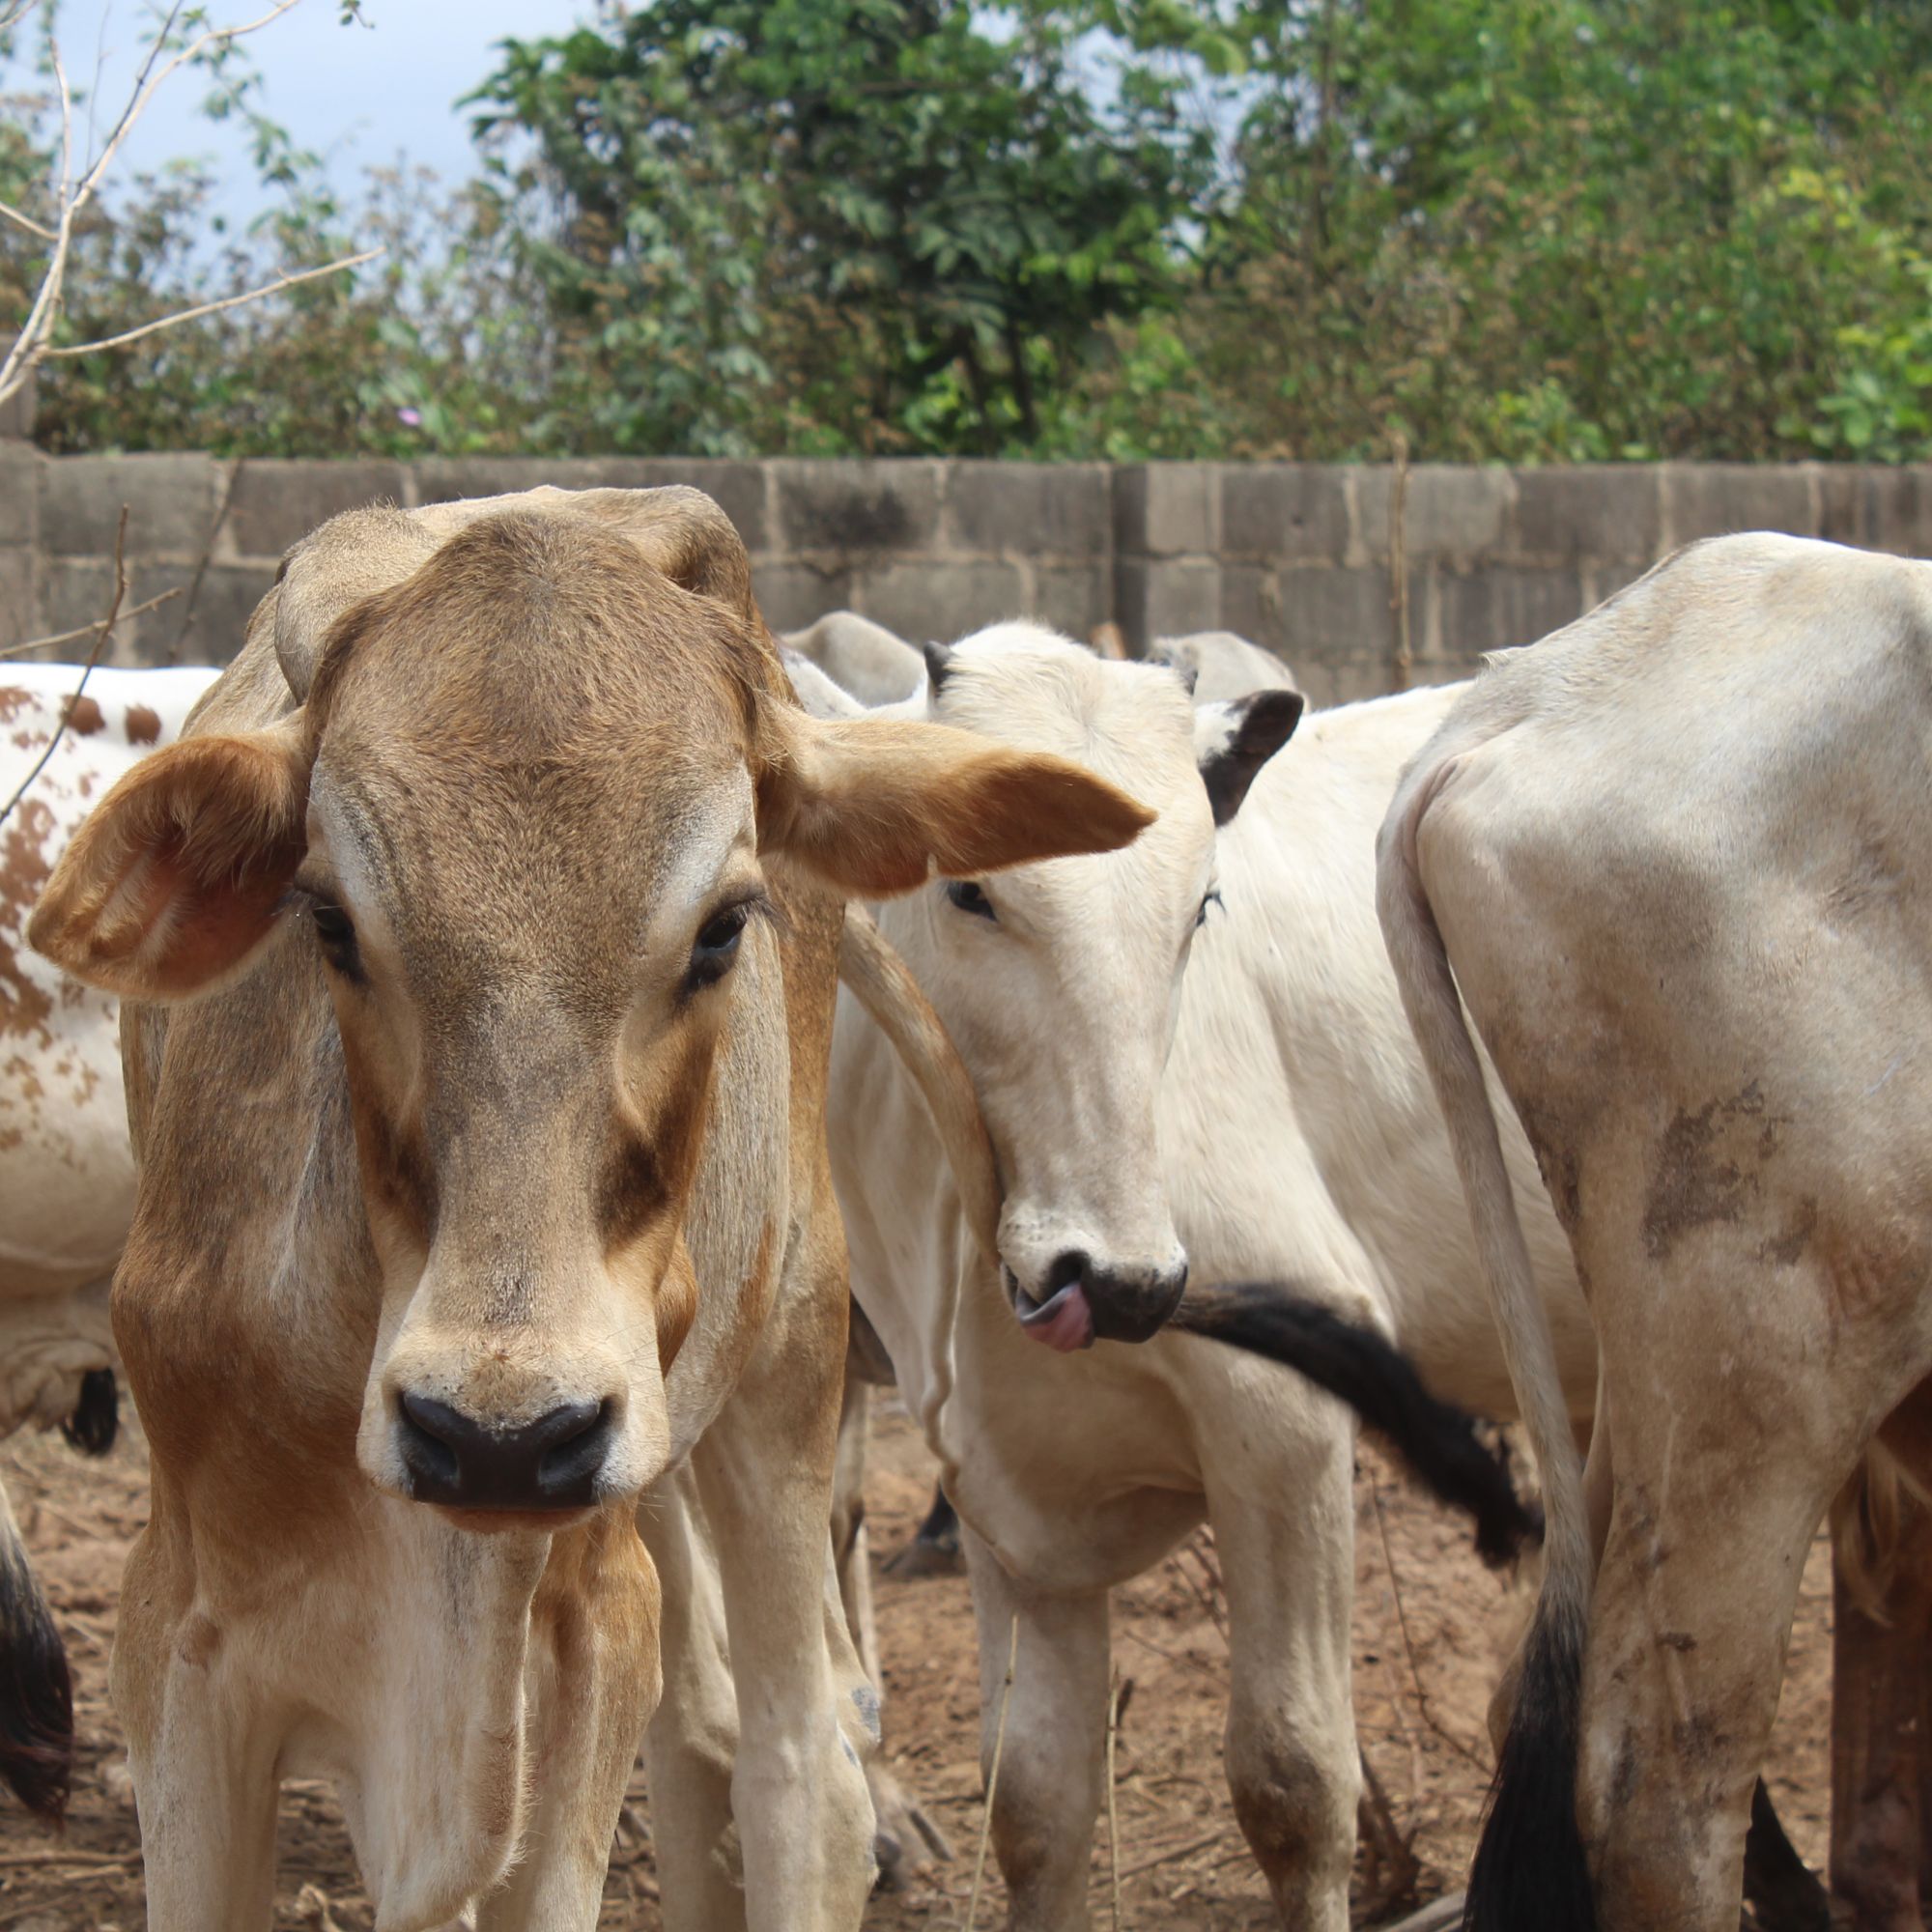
361, 96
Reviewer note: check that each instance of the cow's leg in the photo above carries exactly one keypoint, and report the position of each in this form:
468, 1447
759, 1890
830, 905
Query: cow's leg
204, 1777
692, 1739
935, 1549
806, 1714
905, 1840
1053, 1760
1287, 1549
1688, 1627
1879, 1672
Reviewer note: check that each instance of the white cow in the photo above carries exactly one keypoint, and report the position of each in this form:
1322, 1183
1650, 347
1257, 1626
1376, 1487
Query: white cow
1220, 666
1674, 859
859, 656
1293, 1138
67, 1174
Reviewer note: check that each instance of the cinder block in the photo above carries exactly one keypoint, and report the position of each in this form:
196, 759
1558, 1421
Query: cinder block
20, 465
1165, 599
1491, 610
1251, 604
1840, 493
443, 479
1709, 499
738, 488
170, 501
272, 505
1330, 613
1896, 509
857, 506
924, 601
1275, 510
218, 625
1342, 681
1166, 509
1074, 597
73, 591
1029, 509
1448, 510
795, 595
17, 600
1608, 510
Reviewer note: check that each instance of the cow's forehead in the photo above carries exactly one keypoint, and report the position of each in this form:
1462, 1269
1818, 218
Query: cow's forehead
1028, 688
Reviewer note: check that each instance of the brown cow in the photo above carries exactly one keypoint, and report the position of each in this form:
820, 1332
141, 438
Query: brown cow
483, 1187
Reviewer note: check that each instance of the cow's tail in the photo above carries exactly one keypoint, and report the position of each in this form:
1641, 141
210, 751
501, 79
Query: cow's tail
1361, 1366
35, 1692
1529, 1869
1872, 1517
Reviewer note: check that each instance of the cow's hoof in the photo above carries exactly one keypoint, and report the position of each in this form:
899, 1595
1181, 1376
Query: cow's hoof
97, 1415
921, 1558
905, 1843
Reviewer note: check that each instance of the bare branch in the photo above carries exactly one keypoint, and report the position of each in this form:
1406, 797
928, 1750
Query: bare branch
211, 309
98, 624
67, 710
20, 220
152, 78
30, 346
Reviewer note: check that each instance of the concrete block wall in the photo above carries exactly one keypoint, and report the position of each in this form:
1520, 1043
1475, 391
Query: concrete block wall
1335, 567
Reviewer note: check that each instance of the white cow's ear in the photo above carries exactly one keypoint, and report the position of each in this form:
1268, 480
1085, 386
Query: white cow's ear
938, 662
1234, 740
179, 874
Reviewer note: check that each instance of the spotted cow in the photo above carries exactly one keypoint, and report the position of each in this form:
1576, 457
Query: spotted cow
67, 1175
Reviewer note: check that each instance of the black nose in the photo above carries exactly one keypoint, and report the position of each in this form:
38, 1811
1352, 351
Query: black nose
1130, 1304
551, 1464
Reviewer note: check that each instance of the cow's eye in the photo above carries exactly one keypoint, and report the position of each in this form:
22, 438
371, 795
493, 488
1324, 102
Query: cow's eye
1213, 899
970, 897
716, 945
335, 932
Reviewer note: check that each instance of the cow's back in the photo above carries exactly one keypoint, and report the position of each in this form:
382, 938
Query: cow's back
1678, 853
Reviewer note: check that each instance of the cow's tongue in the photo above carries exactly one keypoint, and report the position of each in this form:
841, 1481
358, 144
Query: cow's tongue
1065, 1323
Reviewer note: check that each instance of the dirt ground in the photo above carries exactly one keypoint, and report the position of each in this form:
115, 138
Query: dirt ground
1430, 1629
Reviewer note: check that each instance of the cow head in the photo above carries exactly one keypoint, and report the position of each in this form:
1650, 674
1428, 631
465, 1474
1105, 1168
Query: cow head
530, 813
1060, 981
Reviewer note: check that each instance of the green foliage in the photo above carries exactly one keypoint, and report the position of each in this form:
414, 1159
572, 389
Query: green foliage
866, 224
1529, 230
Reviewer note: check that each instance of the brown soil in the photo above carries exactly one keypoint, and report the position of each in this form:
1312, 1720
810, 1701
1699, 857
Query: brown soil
1431, 1628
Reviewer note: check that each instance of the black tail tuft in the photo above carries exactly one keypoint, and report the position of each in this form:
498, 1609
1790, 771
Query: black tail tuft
35, 1692
1529, 1874
1437, 1440
96, 1416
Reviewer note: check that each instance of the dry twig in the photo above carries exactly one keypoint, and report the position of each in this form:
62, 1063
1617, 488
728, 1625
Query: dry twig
90, 630
1429, 1717
1115, 1703
112, 619
71, 191
993, 1774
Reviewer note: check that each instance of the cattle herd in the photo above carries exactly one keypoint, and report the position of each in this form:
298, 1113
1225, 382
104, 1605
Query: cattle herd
530, 1048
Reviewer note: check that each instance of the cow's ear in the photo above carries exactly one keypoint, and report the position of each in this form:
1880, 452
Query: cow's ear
877, 806
1234, 740
176, 876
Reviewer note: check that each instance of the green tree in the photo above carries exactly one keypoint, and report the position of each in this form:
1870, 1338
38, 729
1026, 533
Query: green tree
866, 224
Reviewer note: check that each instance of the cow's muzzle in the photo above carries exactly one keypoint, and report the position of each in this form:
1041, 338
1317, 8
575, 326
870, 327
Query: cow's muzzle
1081, 1302
549, 1464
